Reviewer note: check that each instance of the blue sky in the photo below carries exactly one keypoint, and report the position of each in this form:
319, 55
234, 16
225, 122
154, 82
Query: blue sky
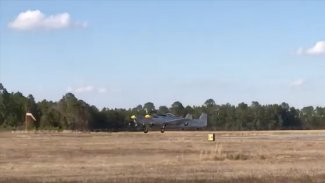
125, 53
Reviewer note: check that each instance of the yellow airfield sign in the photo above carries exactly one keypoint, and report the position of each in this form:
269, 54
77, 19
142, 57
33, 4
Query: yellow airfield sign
211, 137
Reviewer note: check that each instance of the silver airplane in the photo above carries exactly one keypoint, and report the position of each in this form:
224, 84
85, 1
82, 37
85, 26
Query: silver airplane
169, 120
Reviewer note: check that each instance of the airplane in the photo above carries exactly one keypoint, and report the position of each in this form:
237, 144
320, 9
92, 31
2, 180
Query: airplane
170, 120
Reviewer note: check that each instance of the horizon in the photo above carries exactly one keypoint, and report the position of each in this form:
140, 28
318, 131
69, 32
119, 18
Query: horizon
122, 54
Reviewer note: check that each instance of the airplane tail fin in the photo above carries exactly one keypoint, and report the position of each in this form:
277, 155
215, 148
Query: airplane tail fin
188, 116
204, 119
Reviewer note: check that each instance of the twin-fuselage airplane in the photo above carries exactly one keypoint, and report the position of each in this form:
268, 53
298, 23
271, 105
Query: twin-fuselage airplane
169, 120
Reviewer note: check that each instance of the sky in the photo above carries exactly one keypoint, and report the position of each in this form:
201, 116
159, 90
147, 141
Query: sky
119, 54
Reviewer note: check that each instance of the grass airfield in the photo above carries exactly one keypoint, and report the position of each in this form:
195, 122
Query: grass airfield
187, 156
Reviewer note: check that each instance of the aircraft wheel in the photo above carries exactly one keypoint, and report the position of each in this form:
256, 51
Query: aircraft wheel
162, 130
145, 129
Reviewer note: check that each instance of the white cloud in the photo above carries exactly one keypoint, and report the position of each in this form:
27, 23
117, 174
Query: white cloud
317, 49
84, 89
297, 83
102, 90
87, 89
35, 19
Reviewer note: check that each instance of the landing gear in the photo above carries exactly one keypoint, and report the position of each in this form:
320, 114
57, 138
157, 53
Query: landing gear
145, 129
162, 130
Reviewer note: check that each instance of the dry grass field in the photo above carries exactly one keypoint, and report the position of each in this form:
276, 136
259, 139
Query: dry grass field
246, 157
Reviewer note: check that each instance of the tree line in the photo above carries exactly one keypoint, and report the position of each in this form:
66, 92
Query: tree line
74, 114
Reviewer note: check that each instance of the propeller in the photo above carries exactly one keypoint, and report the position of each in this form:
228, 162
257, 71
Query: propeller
147, 116
134, 117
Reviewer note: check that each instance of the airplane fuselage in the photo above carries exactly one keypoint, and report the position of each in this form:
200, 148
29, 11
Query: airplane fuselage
170, 121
